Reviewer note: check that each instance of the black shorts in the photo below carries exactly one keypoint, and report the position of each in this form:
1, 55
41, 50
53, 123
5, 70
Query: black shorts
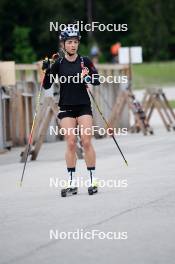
74, 111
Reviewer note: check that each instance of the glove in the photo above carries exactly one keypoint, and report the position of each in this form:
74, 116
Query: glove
46, 64
55, 56
87, 79
84, 74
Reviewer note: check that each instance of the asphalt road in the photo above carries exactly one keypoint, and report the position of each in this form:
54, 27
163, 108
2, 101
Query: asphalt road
139, 210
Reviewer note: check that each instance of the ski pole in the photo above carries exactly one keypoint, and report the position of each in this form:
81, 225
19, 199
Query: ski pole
107, 125
31, 132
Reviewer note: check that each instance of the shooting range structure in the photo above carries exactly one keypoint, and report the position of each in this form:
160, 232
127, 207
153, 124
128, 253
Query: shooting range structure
156, 99
127, 98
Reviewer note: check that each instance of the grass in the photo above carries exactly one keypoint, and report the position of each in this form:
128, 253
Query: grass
172, 103
155, 74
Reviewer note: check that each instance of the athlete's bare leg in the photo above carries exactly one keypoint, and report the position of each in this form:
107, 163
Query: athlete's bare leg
70, 138
85, 122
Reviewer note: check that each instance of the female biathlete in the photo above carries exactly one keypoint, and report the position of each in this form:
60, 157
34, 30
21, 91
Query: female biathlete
74, 103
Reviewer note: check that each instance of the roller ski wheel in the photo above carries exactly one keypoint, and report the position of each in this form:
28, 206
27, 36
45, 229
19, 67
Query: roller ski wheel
151, 132
149, 129
92, 190
69, 191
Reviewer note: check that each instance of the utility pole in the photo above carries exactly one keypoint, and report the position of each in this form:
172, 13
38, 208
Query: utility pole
88, 4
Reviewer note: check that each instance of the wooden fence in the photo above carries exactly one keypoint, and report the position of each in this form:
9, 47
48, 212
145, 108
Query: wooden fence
17, 103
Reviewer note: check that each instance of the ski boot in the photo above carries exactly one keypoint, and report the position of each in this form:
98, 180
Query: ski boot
71, 189
93, 188
151, 131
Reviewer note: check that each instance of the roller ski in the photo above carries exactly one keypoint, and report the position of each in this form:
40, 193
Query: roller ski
71, 189
93, 188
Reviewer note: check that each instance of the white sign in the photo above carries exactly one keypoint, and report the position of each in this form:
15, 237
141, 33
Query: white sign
7, 73
130, 55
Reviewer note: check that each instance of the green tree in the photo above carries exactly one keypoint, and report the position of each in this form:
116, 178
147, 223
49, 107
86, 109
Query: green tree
151, 24
23, 52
